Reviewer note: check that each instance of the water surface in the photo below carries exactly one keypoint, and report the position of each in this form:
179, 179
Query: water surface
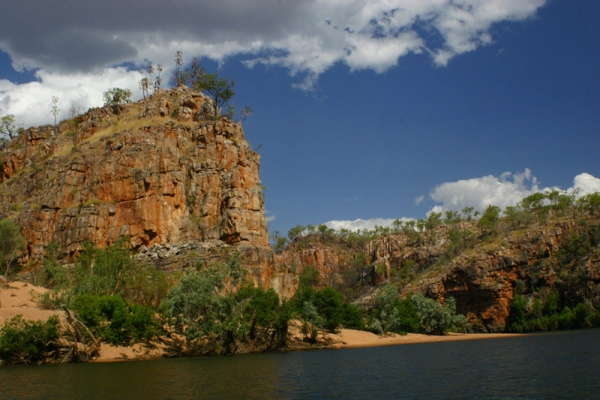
555, 365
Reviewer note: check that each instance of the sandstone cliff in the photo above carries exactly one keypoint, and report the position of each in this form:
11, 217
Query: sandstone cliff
159, 171
482, 277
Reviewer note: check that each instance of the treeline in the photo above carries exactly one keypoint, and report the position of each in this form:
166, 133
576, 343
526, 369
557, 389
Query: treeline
537, 207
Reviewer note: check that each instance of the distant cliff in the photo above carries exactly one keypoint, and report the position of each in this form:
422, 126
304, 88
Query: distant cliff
481, 268
160, 171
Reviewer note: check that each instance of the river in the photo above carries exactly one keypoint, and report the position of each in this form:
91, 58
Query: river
552, 365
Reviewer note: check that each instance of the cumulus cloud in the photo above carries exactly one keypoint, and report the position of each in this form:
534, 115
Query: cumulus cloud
61, 38
506, 190
585, 184
360, 224
31, 102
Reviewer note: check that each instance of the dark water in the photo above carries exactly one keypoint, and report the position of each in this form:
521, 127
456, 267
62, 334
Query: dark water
557, 365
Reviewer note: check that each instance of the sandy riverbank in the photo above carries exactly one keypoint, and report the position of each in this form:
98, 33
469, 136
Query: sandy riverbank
20, 298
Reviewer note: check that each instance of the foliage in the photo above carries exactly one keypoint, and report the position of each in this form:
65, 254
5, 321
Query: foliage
105, 272
8, 126
278, 242
518, 217
117, 96
547, 314
436, 319
309, 277
392, 314
490, 217
28, 342
205, 305
102, 272
114, 320
11, 243
219, 89
577, 244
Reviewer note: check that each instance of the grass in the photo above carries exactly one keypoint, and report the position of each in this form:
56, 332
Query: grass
93, 201
133, 123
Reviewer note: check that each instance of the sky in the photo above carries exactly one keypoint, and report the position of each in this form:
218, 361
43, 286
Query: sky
364, 111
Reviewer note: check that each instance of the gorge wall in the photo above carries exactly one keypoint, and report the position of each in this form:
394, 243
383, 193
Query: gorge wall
159, 171
482, 278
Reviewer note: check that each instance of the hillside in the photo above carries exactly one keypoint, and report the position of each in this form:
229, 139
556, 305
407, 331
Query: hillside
182, 186
542, 250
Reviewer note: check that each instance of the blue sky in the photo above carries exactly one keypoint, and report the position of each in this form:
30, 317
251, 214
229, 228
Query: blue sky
364, 124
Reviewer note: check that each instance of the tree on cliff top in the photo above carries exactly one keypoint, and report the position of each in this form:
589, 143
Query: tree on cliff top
219, 89
116, 96
8, 126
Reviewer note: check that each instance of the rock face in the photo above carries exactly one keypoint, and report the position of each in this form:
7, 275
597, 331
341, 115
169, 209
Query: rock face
482, 278
158, 171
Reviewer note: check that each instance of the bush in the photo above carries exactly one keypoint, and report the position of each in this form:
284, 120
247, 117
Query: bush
436, 319
490, 217
28, 342
114, 320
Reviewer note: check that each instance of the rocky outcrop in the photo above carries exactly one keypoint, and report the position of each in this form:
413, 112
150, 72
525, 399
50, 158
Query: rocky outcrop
482, 278
158, 171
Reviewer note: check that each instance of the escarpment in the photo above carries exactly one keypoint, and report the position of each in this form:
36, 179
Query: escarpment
160, 171
482, 271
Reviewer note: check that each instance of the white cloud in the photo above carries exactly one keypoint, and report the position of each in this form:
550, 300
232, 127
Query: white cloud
31, 102
360, 224
506, 190
81, 42
585, 184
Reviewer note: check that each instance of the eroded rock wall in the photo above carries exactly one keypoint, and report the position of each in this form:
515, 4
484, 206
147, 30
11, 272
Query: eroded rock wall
156, 171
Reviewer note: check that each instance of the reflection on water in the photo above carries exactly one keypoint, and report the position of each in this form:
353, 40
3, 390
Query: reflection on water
558, 365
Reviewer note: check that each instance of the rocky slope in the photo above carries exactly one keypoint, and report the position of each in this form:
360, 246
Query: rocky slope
482, 277
160, 171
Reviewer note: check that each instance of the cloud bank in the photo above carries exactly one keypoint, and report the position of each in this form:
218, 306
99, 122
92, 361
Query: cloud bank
82, 42
506, 190
360, 224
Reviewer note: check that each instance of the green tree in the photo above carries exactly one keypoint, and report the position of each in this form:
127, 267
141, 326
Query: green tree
11, 243
8, 126
330, 304
490, 217
116, 97
28, 342
436, 319
295, 232
219, 89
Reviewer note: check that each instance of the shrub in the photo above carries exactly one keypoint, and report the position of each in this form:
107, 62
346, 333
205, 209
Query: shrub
490, 217
114, 320
436, 319
28, 342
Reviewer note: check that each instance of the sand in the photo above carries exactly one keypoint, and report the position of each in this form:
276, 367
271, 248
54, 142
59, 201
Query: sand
348, 338
18, 298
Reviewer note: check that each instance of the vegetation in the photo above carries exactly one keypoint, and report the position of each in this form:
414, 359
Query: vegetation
545, 313
116, 97
114, 320
8, 126
11, 243
28, 342
415, 314
219, 89
206, 305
